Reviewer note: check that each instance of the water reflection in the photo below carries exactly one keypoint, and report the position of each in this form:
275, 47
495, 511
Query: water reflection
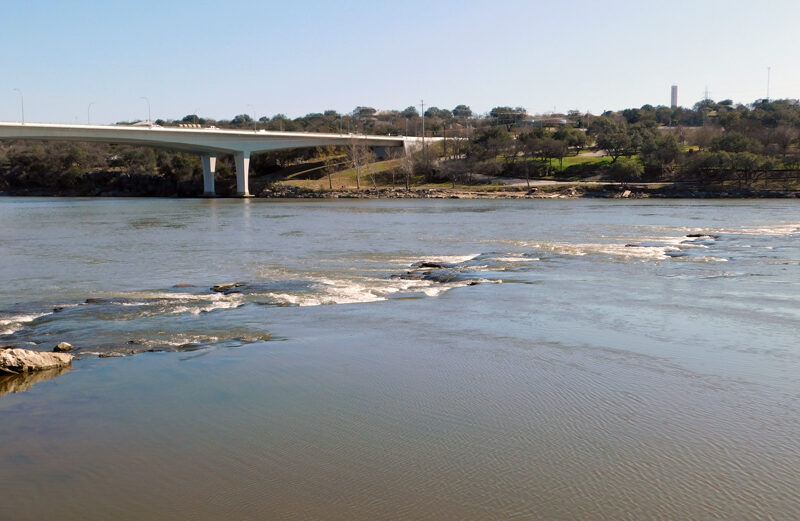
17, 383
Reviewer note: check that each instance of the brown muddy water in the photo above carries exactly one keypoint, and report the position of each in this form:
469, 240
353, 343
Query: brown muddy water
553, 360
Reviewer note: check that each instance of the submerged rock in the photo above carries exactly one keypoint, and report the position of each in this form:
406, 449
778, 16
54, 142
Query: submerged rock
221, 288
16, 361
63, 347
442, 276
433, 265
696, 235
439, 272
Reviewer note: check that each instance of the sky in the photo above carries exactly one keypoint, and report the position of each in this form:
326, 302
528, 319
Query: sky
223, 58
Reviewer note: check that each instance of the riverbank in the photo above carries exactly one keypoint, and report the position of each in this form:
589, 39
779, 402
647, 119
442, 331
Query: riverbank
554, 191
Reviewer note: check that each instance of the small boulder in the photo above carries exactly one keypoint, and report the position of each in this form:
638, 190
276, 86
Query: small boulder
221, 288
16, 361
425, 265
63, 347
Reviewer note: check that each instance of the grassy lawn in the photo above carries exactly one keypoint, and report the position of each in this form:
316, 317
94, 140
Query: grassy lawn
582, 160
346, 179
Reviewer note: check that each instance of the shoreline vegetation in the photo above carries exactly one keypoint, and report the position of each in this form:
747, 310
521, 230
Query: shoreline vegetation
714, 149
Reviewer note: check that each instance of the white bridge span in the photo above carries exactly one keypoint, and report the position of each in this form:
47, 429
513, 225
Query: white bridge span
207, 142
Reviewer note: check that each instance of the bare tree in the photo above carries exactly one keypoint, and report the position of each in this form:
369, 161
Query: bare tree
359, 154
331, 160
407, 166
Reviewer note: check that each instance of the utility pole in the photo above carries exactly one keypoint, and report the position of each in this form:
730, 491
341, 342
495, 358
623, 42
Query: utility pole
150, 121
422, 111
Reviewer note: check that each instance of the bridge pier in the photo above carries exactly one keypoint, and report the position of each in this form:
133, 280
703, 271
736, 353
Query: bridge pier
242, 160
209, 168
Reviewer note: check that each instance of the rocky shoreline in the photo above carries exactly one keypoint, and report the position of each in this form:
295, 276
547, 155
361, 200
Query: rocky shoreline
558, 191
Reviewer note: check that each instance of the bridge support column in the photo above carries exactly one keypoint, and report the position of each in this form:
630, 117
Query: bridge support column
209, 168
242, 160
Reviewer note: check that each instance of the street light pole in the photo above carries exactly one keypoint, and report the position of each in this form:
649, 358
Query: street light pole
21, 104
148, 110
769, 69
89, 113
254, 116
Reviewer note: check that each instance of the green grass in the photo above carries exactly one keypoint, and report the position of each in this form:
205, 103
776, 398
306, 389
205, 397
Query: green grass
582, 160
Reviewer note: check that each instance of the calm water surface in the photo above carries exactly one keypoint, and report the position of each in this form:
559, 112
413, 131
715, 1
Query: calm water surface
553, 360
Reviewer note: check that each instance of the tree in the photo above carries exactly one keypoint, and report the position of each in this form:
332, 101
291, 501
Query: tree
281, 122
661, 151
358, 154
508, 116
409, 112
626, 170
733, 142
784, 136
193, 118
241, 119
611, 136
407, 167
331, 161
436, 112
364, 112
490, 143
462, 111
572, 137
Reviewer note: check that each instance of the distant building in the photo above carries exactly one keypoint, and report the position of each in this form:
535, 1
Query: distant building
674, 97
543, 122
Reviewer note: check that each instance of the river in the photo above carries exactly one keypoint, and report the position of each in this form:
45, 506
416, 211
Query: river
403, 359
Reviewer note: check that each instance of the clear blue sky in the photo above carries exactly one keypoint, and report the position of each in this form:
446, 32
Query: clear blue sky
217, 58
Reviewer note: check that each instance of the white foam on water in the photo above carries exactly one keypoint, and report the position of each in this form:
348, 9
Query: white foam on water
160, 302
229, 303
644, 248
340, 291
163, 295
515, 259
452, 259
12, 324
643, 253
771, 229
708, 258
181, 340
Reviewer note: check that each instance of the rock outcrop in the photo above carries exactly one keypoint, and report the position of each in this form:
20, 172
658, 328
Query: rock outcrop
17, 361
63, 347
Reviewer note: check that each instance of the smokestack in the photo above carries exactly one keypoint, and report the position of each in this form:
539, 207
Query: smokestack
674, 97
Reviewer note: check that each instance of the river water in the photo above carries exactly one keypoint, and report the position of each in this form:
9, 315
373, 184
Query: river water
405, 359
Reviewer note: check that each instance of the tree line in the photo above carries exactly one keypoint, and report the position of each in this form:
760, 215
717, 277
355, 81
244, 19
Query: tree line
711, 142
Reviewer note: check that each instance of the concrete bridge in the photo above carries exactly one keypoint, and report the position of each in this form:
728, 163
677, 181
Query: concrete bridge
208, 142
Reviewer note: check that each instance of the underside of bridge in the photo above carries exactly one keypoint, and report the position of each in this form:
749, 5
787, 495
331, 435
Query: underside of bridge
206, 142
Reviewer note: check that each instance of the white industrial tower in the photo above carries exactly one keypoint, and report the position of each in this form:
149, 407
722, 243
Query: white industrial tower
674, 97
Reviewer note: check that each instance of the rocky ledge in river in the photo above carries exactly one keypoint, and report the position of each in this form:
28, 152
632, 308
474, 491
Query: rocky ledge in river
17, 361
442, 272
